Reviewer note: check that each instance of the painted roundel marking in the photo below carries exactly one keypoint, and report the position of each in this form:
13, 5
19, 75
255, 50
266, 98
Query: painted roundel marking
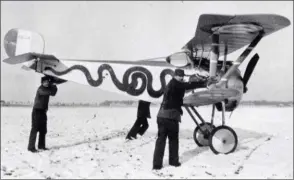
10, 41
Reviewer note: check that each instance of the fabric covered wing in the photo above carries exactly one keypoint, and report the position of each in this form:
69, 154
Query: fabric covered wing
235, 31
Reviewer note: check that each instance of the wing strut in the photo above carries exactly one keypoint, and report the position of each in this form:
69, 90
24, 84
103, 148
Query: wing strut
214, 55
223, 70
240, 59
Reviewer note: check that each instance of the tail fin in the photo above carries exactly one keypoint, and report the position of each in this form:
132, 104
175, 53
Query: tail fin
20, 41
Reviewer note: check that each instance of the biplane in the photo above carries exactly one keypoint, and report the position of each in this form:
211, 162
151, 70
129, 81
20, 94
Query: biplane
216, 36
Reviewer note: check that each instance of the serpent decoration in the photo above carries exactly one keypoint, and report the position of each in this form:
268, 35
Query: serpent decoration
136, 73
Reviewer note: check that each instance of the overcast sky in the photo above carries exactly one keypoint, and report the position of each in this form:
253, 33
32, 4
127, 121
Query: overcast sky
137, 30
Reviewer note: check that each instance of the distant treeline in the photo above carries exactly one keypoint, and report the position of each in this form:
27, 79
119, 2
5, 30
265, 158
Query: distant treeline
58, 104
121, 103
62, 104
130, 103
266, 103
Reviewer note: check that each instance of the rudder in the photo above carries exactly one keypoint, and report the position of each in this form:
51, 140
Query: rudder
20, 41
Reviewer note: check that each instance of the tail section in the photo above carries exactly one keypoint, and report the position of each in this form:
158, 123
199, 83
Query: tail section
18, 59
20, 41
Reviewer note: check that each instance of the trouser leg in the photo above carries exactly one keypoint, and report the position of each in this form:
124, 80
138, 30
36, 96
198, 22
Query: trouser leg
43, 130
33, 133
160, 144
134, 129
144, 126
32, 139
42, 141
173, 138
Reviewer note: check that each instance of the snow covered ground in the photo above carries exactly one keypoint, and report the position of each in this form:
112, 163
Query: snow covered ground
90, 143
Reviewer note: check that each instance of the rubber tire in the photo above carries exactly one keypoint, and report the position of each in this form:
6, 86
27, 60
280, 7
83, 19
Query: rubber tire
198, 129
214, 131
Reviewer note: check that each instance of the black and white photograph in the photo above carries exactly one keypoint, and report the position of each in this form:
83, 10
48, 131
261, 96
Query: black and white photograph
146, 89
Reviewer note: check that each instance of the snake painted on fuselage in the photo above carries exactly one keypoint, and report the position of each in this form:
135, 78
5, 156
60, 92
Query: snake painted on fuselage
136, 73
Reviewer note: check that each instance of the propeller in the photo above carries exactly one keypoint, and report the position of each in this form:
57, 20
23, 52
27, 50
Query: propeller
248, 72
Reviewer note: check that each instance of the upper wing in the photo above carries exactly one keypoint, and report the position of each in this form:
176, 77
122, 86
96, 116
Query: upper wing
235, 31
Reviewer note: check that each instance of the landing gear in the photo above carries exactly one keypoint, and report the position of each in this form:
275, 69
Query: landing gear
202, 131
202, 139
221, 139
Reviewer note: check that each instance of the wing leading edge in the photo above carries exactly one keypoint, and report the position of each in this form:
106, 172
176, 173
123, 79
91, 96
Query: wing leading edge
235, 31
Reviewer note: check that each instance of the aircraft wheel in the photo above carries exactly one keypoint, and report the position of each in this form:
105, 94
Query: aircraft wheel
200, 138
223, 140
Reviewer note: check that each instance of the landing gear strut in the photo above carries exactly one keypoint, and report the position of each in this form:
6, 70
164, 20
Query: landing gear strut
221, 139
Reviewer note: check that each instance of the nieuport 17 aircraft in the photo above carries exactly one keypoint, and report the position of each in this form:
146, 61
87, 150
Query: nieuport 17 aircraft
216, 36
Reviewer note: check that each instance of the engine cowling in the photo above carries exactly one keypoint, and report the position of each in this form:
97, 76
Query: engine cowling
234, 82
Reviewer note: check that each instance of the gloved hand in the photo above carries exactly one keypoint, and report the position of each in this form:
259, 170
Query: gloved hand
197, 78
55, 80
212, 80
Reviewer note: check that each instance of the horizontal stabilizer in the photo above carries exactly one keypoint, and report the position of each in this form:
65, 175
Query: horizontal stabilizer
26, 68
28, 57
19, 59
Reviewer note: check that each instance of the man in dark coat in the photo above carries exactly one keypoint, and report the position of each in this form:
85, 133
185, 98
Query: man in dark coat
169, 116
141, 124
39, 116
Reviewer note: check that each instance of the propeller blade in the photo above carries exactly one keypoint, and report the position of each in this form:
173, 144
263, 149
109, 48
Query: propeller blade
250, 67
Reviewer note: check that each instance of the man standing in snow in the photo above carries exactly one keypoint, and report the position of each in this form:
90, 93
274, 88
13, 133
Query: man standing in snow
39, 116
169, 116
141, 124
